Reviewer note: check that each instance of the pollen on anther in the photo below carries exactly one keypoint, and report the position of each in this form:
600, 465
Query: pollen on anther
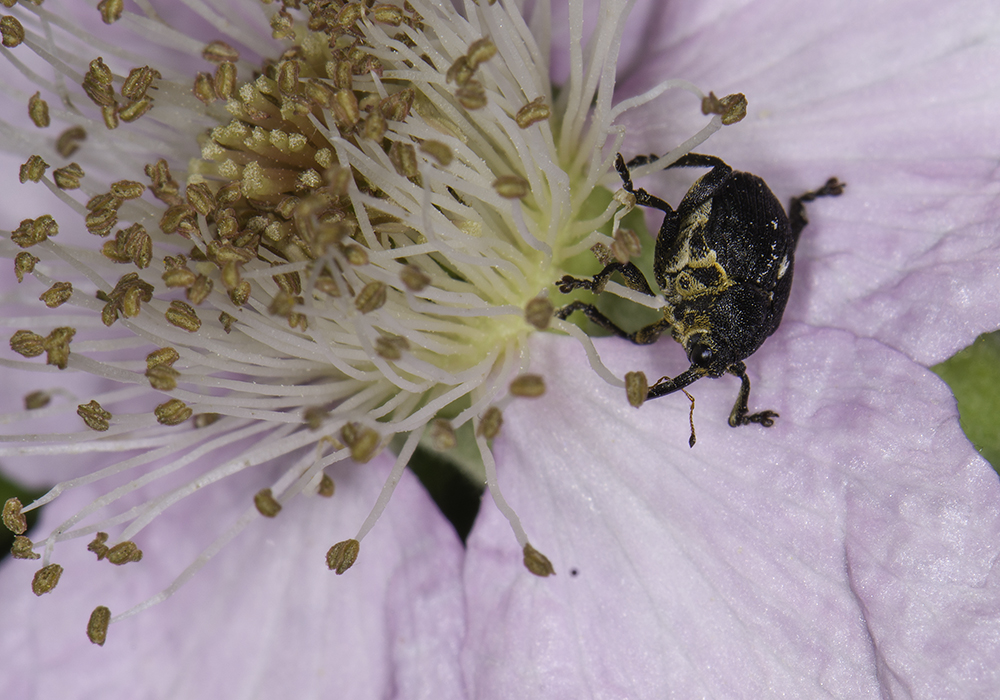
46, 579
38, 110
23, 548
326, 486
124, 553
511, 186
173, 412
95, 416
13, 518
443, 436
97, 626
33, 169
538, 312
98, 546
536, 562
342, 555
12, 31
532, 113
36, 400
266, 504
528, 385
490, 422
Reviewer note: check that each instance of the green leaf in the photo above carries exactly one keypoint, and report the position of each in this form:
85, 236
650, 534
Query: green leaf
974, 377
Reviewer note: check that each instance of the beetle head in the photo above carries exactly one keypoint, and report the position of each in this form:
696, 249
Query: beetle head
708, 355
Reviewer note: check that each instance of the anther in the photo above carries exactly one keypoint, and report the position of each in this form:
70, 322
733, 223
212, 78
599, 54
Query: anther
97, 625
38, 110
404, 159
371, 297
326, 486
480, 51
413, 278
11, 30
97, 83
162, 377
204, 88
111, 10
127, 189
124, 553
626, 245
136, 109
57, 346
138, 82
361, 440
471, 95
24, 264
443, 436
37, 399
387, 14
98, 545
33, 169
172, 412
266, 504
391, 347
490, 422
46, 579
396, 107
23, 548
94, 415
225, 80
440, 152
13, 518
538, 312
342, 556
57, 295
68, 177
528, 386
732, 108
636, 388
183, 316
69, 141
375, 126
536, 562
345, 108
220, 52
511, 186
27, 343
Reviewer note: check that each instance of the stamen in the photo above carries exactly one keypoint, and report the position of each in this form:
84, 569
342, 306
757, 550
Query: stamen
367, 234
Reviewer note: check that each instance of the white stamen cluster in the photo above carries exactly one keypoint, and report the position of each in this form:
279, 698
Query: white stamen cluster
365, 237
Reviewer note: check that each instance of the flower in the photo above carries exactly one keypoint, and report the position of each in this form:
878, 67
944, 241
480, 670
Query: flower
804, 570
322, 246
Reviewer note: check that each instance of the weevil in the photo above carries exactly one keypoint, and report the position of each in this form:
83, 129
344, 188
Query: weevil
723, 262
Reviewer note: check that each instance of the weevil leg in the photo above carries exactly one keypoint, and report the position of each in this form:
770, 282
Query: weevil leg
634, 280
739, 415
690, 160
642, 197
702, 190
797, 210
643, 336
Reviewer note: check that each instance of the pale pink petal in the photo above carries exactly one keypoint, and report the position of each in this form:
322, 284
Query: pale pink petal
265, 618
847, 552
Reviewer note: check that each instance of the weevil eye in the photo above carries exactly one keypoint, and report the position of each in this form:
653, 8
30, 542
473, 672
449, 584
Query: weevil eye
702, 355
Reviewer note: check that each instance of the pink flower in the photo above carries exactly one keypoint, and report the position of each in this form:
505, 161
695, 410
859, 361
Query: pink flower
846, 552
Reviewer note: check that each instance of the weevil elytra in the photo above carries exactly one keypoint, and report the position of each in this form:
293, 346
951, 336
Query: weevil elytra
723, 262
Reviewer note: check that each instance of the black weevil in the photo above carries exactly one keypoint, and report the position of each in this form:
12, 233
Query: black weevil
723, 261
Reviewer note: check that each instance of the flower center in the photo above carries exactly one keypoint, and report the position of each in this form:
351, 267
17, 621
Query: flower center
368, 238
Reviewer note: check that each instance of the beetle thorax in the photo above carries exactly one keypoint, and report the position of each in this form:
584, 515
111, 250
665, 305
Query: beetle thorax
692, 277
